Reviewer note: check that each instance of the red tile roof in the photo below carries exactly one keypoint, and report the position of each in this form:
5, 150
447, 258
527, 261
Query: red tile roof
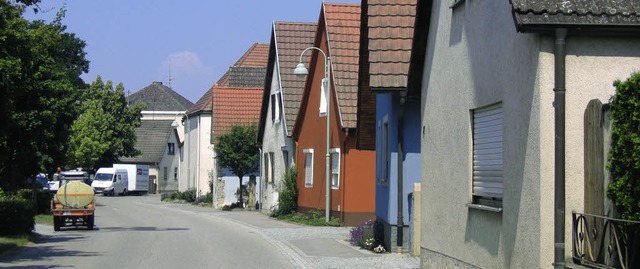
256, 56
343, 33
235, 106
390, 30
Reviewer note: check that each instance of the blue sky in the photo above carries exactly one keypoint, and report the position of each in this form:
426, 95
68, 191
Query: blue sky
136, 41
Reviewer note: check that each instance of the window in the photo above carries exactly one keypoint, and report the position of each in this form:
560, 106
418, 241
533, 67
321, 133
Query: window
268, 166
171, 148
165, 175
308, 167
285, 157
275, 107
335, 168
488, 129
323, 99
175, 173
383, 157
271, 157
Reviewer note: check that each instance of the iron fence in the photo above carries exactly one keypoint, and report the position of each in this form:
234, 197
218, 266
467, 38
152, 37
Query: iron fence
603, 242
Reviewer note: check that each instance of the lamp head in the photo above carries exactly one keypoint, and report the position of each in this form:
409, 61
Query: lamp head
174, 124
300, 70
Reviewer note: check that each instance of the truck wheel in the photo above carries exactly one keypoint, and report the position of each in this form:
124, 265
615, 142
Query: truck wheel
124, 192
90, 222
56, 223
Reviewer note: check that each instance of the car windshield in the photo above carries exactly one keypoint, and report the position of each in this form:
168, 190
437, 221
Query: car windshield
104, 177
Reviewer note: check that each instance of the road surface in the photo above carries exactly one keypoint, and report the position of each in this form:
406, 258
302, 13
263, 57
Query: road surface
141, 232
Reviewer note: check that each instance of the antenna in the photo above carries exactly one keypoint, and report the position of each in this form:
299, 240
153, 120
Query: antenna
170, 77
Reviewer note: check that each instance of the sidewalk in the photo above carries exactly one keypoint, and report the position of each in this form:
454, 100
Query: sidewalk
317, 247
305, 246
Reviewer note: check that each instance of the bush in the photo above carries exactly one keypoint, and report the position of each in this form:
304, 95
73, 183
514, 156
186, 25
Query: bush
43, 199
363, 235
188, 196
17, 216
624, 157
288, 199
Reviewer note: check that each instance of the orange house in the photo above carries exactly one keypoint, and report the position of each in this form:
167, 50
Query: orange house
352, 171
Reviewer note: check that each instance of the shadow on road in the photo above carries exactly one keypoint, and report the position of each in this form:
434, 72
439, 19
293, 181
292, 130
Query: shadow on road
40, 250
143, 229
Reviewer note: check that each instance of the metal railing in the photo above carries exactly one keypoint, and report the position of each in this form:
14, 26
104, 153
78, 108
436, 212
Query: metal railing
603, 242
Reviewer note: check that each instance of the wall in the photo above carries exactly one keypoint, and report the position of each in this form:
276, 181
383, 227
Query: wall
276, 141
473, 62
204, 155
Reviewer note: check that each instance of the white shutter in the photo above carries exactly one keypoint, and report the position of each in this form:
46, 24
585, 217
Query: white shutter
488, 129
323, 99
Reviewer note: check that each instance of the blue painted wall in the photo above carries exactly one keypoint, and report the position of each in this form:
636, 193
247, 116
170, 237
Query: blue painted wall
387, 192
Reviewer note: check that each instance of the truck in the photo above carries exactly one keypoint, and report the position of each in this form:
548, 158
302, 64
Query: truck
138, 175
110, 181
63, 177
73, 205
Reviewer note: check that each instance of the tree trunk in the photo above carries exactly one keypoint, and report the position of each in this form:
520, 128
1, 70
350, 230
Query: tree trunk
240, 190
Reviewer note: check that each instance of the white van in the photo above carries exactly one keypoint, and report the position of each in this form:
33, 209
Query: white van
110, 181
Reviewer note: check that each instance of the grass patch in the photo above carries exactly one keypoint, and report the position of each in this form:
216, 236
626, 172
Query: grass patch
9, 244
312, 220
46, 218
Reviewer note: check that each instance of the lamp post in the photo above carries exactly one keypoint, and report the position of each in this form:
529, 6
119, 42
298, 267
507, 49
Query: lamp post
175, 125
301, 70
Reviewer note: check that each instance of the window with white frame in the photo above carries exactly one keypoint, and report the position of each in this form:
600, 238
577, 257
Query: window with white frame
308, 167
335, 168
488, 132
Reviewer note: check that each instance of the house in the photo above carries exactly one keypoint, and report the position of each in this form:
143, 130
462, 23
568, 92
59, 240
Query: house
389, 110
198, 154
236, 99
233, 106
504, 96
280, 105
158, 140
351, 186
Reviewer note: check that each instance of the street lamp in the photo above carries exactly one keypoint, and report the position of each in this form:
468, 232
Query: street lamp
301, 70
175, 125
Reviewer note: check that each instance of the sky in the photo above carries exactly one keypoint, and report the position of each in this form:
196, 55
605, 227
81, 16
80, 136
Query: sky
186, 44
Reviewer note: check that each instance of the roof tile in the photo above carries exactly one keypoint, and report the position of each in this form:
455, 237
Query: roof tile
158, 97
235, 106
291, 39
614, 13
343, 30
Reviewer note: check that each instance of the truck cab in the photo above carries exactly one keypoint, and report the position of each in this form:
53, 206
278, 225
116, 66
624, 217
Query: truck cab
110, 181
59, 179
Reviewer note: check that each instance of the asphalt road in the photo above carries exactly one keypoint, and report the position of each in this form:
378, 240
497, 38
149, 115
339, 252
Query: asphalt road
139, 232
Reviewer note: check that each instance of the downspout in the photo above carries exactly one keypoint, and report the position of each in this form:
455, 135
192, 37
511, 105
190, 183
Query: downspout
400, 234
559, 173
343, 164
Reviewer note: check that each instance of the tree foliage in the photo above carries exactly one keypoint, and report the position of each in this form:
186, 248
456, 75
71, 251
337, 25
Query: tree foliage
40, 68
624, 157
237, 149
105, 129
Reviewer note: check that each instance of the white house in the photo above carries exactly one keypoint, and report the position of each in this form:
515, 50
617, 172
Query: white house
280, 105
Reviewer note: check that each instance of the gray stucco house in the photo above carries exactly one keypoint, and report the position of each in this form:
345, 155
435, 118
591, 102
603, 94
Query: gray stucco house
505, 90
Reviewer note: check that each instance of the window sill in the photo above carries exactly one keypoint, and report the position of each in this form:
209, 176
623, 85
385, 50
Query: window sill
485, 208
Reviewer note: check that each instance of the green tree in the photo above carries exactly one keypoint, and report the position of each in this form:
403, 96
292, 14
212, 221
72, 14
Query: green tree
40, 68
624, 156
237, 149
105, 129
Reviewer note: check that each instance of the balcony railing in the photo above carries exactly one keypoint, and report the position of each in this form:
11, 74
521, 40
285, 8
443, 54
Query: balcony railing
603, 242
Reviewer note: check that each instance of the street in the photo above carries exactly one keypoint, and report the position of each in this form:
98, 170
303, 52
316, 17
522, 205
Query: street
131, 232
143, 232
